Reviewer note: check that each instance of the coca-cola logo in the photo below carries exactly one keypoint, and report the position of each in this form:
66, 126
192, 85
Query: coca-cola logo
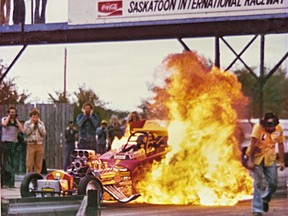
110, 8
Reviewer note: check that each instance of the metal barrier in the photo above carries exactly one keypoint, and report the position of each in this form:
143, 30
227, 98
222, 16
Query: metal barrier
90, 205
38, 205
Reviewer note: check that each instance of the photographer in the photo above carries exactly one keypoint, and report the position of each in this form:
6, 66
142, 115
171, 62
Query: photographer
87, 123
35, 132
11, 126
71, 135
102, 135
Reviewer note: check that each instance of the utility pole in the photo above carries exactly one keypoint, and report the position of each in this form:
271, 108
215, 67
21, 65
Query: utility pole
65, 70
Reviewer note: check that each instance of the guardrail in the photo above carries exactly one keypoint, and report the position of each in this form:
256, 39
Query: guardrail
79, 205
37, 205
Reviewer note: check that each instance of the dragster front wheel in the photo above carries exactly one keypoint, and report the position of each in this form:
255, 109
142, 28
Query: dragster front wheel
90, 183
29, 184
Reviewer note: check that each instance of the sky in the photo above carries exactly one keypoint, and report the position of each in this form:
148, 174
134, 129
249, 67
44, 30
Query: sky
120, 73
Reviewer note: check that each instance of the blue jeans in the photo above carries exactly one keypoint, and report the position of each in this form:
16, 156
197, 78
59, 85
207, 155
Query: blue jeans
259, 173
68, 151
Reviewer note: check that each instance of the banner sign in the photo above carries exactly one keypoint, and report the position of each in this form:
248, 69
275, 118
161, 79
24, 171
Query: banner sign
115, 11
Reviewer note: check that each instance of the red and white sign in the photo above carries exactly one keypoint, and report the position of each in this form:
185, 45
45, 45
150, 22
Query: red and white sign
116, 11
109, 8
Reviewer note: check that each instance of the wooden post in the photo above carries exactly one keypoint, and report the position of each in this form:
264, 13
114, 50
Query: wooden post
65, 71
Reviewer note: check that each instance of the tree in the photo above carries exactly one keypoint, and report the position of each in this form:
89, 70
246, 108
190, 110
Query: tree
8, 90
84, 95
275, 92
61, 97
250, 88
87, 95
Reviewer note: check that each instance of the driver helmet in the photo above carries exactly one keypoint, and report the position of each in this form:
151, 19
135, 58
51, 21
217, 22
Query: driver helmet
141, 139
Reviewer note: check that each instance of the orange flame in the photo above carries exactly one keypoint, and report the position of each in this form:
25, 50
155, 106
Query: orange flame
203, 166
118, 143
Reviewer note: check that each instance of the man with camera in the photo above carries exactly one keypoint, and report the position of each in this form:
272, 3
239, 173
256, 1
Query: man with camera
87, 123
35, 132
71, 135
11, 127
102, 136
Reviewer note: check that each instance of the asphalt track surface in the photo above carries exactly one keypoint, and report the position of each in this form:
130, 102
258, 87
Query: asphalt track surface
278, 207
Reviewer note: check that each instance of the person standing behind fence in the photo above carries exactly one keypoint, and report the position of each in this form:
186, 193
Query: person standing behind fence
35, 132
19, 12
133, 121
21, 153
11, 127
87, 123
40, 16
114, 130
123, 125
5, 15
102, 137
133, 116
70, 138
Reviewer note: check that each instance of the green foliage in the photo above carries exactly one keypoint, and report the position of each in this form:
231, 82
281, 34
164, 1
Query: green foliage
87, 95
275, 96
250, 88
275, 92
61, 97
84, 95
8, 90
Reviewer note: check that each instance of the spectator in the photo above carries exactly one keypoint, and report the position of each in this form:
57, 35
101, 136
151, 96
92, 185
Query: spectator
40, 16
70, 138
35, 132
19, 12
134, 121
5, 11
102, 136
11, 127
123, 125
21, 153
262, 160
133, 116
114, 130
87, 123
